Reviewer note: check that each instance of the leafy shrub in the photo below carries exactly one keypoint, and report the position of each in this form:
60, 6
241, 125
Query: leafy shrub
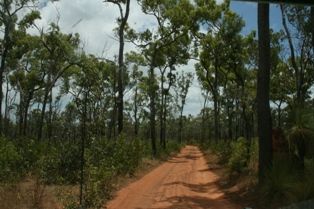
31, 152
280, 181
98, 186
253, 158
222, 149
10, 161
239, 155
60, 165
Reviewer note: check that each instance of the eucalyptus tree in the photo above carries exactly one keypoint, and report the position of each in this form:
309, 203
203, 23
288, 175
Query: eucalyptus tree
184, 82
87, 81
217, 55
60, 52
122, 24
173, 25
9, 10
26, 76
281, 79
296, 22
136, 61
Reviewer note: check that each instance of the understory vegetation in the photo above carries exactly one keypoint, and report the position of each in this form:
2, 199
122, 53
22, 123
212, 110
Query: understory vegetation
60, 164
288, 181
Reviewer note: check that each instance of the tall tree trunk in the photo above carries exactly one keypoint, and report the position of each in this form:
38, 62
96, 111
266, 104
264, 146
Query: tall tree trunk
180, 125
42, 115
124, 20
112, 124
203, 120
21, 108
162, 106
229, 114
6, 110
2, 69
263, 80
297, 71
152, 95
279, 114
216, 107
164, 118
83, 139
26, 107
135, 113
49, 122
312, 25
216, 119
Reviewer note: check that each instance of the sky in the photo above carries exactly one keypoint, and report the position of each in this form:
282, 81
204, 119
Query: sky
94, 20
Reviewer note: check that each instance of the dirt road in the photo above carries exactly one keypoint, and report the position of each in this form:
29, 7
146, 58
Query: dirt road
182, 182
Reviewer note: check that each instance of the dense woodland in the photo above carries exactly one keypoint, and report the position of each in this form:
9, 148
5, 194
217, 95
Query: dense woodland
71, 118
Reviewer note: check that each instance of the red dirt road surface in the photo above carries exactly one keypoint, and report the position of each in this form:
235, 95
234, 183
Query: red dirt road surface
182, 182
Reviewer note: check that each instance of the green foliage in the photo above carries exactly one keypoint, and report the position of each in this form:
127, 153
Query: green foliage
172, 147
222, 149
10, 161
239, 154
301, 141
98, 185
60, 165
253, 158
279, 182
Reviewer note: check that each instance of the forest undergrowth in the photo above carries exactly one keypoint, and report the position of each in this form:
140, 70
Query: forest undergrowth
43, 175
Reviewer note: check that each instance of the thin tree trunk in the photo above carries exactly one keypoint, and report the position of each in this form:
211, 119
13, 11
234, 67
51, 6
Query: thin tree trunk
42, 115
180, 125
164, 123
21, 108
263, 80
152, 110
6, 110
83, 139
2, 69
279, 114
26, 107
203, 120
312, 21
216, 108
112, 124
121, 67
135, 113
162, 109
49, 123
216, 121
229, 123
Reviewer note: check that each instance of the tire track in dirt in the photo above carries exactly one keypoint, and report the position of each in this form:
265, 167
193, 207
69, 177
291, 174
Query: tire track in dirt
183, 182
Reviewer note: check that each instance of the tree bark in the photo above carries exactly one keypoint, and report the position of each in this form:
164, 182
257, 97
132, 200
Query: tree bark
152, 95
121, 67
2, 69
26, 107
83, 139
135, 113
42, 115
312, 25
263, 80
6, 110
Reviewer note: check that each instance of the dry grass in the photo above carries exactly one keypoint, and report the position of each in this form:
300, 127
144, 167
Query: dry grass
28, 194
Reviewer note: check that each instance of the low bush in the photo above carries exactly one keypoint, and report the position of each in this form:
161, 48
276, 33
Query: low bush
10, 161
222, 149
281, 183
239, 155
60, 165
